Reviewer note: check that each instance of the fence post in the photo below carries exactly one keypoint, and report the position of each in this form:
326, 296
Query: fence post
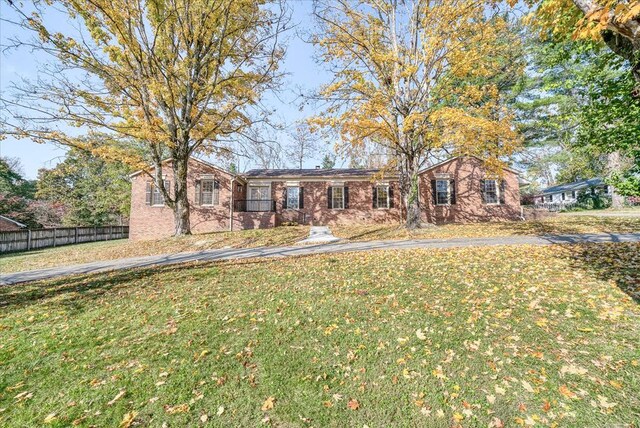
75, 238
54, 236
28, 239
110, 233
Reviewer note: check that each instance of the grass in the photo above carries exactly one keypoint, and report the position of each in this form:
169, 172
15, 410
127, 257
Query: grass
508, 336
562, 224
111, 250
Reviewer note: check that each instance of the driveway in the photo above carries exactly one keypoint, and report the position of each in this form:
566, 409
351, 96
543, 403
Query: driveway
234, 254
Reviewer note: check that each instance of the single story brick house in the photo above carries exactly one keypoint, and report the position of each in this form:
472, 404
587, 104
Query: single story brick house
10, 225
456, 190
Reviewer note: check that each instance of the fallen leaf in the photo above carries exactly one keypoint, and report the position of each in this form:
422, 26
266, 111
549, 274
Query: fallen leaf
564, 390
353, 404
268, 404
127, 419
117, 397
220, 410
50, 418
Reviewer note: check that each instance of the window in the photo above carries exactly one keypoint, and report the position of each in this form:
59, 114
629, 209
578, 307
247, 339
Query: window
293, 197
337, 198
259, 198
382, 197
442, 192
573, 194
154, 196
490, 191
549, 198
209, 192
563, 195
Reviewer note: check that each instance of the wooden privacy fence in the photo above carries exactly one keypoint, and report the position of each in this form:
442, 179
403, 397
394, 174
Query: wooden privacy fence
25, 240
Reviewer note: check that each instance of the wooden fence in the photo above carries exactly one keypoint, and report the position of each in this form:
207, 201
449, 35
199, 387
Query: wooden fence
25, 240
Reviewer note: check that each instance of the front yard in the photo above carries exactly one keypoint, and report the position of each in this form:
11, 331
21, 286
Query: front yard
85, 253
499, 336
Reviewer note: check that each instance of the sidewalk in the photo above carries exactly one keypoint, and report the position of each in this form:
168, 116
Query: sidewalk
233, 254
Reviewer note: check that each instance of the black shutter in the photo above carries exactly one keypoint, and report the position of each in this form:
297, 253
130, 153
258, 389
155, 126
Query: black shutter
433, 191
216, 185
452, 190
482, 193
346, 197
301, 198
390, 196
329, 199
374, 197
149, 190
503, 187
198, 190
284, 198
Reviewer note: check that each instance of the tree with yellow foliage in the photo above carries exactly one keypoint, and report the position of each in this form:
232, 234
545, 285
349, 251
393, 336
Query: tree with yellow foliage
180, 77
416, 77
615, 22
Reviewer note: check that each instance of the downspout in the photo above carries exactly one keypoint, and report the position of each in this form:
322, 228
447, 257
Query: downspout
231, 206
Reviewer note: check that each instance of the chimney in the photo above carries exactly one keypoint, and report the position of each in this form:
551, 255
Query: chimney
317, 166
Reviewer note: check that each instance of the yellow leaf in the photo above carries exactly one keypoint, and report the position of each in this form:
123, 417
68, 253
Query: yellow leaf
50, 418
127, 419
268, 404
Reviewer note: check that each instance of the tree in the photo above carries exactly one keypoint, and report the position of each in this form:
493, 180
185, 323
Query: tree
93, 191
16, 193
577, 113
181, 76
415, 77
328, 161
614, 22
304, 144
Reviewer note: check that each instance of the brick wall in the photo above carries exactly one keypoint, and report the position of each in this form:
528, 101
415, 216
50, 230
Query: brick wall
150, 222
468, 173
317, 212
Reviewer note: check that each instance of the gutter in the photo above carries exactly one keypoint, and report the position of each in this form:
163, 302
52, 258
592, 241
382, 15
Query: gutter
233, 178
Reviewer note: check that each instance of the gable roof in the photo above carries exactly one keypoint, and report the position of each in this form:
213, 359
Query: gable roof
446, 161
192, 158
311, 173
576, 185
17, 223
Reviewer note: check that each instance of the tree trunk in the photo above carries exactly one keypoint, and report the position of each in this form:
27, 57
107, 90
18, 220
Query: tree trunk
181, 204
408, 181
615, 167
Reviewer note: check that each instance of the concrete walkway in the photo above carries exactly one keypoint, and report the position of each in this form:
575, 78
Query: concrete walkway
319, 235
233, 254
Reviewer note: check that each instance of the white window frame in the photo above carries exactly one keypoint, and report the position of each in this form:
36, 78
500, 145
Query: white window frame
297, 204
497, 187
448, 184
215, 193
387, 200
155, 190
333, 197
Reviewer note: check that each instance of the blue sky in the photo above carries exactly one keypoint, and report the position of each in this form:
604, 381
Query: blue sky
299, 64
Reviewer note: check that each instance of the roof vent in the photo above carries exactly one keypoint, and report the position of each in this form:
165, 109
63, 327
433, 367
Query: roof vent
317, 166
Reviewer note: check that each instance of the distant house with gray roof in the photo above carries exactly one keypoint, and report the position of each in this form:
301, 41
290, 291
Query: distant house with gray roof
564, 194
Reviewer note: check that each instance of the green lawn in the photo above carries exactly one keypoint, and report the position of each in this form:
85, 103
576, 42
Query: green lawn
508, 336
86, 253
561, 224
110, 250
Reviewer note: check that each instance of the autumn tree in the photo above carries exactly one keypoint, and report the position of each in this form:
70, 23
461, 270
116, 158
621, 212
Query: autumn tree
415, 77
614, 22
182, 76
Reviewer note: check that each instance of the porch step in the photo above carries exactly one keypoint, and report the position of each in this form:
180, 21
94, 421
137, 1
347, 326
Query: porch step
319, 235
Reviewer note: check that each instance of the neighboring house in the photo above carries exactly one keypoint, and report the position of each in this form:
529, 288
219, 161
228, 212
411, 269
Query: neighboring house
7, 224
457, 190
565, 194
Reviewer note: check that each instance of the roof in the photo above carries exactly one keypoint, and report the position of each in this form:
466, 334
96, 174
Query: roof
210, 165
313, 173
576, 185
463, 156
17, 223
